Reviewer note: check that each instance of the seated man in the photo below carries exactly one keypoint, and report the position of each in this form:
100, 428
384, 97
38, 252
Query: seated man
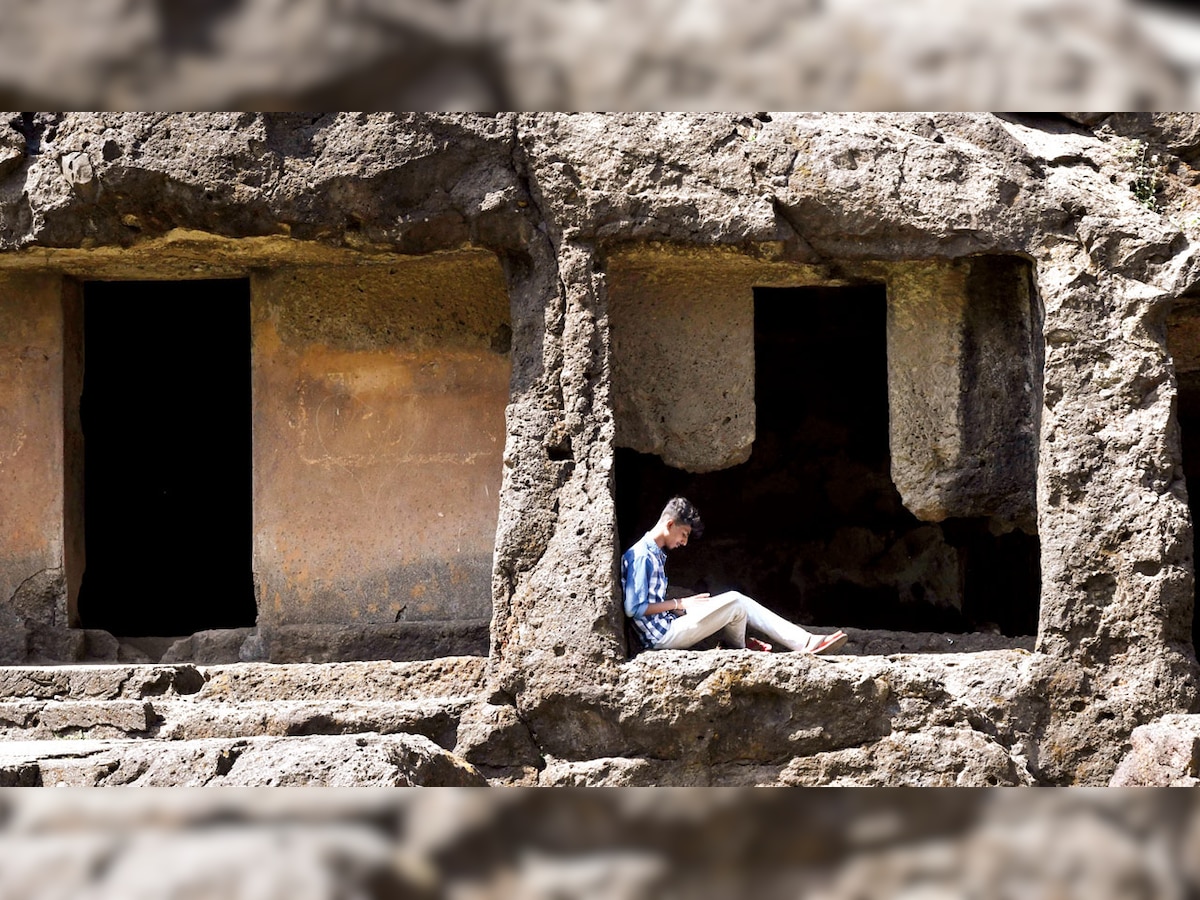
664, 624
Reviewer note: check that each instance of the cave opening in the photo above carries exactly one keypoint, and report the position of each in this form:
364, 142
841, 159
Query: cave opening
166, 417
812, 524
1183, 341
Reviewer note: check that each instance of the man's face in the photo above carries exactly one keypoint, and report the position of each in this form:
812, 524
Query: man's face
677, 534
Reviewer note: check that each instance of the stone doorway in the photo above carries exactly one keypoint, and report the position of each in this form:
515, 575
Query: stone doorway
167, 457
1183, 341
812, 523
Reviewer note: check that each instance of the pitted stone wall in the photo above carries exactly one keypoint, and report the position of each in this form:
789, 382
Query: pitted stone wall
40, 455
964, 381
683, 350
379, 397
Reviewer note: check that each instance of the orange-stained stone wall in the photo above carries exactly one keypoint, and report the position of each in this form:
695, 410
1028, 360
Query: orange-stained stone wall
40, 454
379, 401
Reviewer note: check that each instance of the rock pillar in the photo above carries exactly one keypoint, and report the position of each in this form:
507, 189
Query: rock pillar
963, 383
41, 449
379, 398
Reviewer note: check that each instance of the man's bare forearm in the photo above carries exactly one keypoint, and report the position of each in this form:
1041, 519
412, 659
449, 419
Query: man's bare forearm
677, 605
653, 609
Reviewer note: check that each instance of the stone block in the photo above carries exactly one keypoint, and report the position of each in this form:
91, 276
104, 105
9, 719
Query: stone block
100, 646
1165, 753
934, 757
378, 680
14, 639
49, 643
435, 719
208, 648
494, 735
398, 642
964, 382
380, 394
110, 718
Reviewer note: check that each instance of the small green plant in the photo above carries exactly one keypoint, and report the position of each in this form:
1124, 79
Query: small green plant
1147, 175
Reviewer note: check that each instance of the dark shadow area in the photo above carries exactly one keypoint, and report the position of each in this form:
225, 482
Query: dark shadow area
1189, 429
1183, 343
1176, 6
812, 524
167, 457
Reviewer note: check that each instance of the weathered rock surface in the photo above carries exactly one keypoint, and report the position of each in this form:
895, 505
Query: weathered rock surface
184, 704
399, 760
98, 682
791, 718
833, 199
1165, 753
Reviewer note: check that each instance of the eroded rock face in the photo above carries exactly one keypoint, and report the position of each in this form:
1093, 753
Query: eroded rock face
1163, 754
1062, 419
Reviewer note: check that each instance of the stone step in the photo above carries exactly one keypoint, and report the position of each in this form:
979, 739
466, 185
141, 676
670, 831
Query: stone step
383, 680
98, 682
379, 680
395, 760
188, 719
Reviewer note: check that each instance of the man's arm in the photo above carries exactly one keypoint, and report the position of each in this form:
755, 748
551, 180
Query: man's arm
637, 589
638, 567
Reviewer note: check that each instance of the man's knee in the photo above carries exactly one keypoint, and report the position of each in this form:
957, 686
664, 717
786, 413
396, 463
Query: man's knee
738, 600
735, 602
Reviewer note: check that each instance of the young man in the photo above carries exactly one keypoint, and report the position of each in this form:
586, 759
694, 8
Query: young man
664, 624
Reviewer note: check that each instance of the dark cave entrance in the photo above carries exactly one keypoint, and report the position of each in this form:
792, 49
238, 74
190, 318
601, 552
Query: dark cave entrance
811, 524
166, 413
1189, 427
1183, 343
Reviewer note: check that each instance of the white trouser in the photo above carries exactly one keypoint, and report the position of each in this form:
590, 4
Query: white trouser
730, 613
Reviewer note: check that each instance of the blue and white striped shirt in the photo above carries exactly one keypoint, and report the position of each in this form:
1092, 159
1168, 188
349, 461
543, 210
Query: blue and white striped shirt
644, 573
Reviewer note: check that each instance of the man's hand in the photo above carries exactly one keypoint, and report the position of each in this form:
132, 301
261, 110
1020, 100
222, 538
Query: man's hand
678, 605
683, 604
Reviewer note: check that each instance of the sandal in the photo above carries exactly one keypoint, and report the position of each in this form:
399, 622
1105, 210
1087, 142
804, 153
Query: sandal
830, 642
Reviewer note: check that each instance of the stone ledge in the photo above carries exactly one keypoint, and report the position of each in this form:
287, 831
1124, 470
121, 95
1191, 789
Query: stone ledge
723, 708
240, 682
451, 676
399, 642
184, 720
940, 757
400, 760
31, 643
875, 642
97, 682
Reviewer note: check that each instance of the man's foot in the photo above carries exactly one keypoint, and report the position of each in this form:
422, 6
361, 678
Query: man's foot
756, 644
829, 642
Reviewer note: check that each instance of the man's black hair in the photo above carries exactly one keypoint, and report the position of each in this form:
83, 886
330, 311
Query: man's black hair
682, 512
